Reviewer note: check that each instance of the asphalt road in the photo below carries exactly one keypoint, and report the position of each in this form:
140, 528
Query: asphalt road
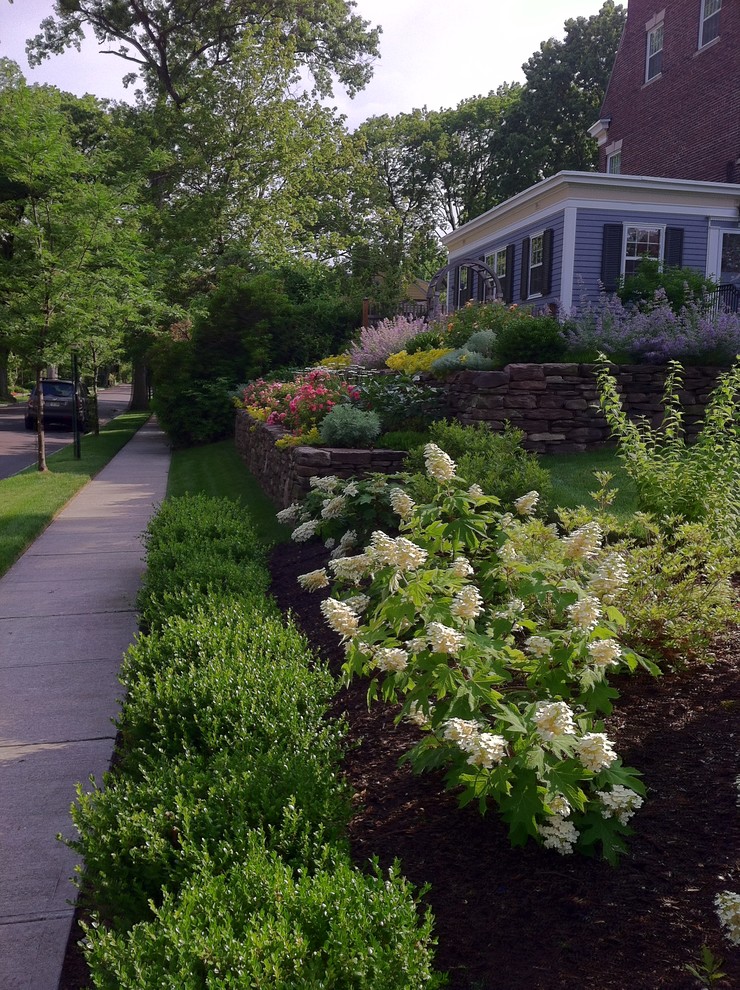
18, 445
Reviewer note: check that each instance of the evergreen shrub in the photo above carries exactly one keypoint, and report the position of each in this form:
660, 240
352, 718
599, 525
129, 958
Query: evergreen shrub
347, 426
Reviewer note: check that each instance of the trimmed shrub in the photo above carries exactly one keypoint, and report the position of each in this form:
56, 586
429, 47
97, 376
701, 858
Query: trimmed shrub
346, 426
264, 924
530, 339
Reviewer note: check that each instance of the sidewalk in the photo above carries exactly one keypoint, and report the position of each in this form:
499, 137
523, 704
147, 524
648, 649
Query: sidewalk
67, 614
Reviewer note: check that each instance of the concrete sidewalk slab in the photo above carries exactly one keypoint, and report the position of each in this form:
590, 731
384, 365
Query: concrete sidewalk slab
67, 614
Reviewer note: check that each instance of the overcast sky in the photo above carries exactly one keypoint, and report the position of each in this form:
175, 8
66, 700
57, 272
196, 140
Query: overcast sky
434, 53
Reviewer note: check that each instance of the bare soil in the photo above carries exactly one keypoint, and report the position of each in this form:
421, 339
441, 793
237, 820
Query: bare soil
530, 919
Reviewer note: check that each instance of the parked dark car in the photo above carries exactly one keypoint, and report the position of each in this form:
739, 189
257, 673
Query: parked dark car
59, 405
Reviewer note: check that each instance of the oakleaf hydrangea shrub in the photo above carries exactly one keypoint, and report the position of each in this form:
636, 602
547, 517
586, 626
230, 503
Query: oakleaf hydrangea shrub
498, 462
347, 426
376, 344
264, 923
498, 635
694, 480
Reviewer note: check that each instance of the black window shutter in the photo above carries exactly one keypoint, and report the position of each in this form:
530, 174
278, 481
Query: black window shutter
524, 282
611, 256
547, 242
508, 281
673, 247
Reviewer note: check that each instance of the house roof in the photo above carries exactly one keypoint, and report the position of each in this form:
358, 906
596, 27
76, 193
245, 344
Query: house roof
595, 190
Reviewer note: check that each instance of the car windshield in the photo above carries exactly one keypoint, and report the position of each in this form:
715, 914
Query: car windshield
58, 390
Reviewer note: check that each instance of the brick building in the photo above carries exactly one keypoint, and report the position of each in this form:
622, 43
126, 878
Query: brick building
672, 107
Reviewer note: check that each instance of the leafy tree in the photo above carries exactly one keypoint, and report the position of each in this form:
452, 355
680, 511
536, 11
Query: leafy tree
72, 233
172, 42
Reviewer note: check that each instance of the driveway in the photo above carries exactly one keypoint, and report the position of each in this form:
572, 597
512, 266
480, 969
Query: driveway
18, 445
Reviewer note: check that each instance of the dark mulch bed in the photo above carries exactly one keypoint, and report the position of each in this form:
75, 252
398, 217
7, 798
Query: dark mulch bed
529, 919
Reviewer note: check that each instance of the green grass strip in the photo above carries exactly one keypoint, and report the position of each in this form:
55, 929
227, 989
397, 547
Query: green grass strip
30, 500
573, 479
217, 470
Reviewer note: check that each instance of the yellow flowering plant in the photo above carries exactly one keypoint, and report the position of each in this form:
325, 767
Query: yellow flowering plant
497, 634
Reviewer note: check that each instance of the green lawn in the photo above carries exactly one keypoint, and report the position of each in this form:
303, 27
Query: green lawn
573, 479
217, 470
30, 500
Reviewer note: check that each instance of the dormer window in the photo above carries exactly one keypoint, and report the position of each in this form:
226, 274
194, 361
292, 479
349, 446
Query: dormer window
655, 51
709, 26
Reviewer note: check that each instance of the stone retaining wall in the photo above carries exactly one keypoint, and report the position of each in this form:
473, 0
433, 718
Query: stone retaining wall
283, 474
555, 405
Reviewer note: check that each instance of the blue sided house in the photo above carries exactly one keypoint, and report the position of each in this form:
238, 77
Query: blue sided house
564, 239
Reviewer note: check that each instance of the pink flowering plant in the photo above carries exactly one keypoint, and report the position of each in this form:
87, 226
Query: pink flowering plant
300, 405
498, 635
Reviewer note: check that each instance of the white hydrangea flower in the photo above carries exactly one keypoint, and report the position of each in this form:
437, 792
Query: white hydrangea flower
417, 717
467, 603
727, 904
476, 491
340, 617
538, 646
605, 652
391, 659
507, 521
417, 645
584, 543
401, 503
620, 803
351, 489
358, 603
353, 569
439, 465
305, 531
595, 751
461, 567
459, 731
329, 544
610, 577
326, 484
486, 750
335, 507
408, 555
526, 505
349, 539
508, 553
443, 639
383, 548
553, 719
290, 514
585, 613
559, 834
559, 806
314, 580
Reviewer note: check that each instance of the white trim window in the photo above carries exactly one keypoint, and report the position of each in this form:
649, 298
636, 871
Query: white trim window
639, 243
709, 21
614, 163
654, 56
536, 264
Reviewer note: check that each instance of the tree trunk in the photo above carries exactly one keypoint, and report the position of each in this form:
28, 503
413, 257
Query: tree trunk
5, 395
139, 389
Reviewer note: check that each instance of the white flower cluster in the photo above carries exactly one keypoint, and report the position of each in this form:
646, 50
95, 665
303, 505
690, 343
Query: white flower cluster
526, 505
401, 503
476, 491
558, 834
605, 652
417, 645
595, 751
484, 749
340, 617
508, 553
620, 803
305, 531
461, 567
559, 806
467, 603
391, 659
346, 543
398, 552
585, 613
327, 484
538, 646
358, 603
314, 580
727, 904
291, 514
439, 465
352, 569
351, 489
610, 577
553, 719
583, 543
443, 639
417, 717
333, 508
